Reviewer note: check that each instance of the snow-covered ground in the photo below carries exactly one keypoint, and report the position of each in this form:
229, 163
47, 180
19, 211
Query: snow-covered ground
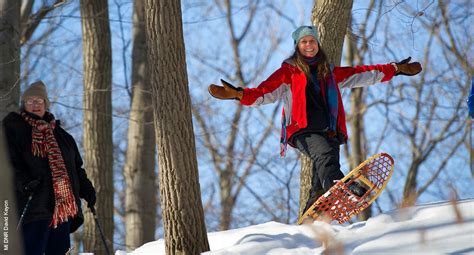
437, 228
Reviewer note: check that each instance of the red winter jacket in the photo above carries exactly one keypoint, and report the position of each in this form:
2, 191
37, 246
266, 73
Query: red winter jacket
289, 83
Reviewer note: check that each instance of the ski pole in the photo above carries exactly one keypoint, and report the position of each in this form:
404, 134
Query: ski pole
24, 212
100, 229
30, 187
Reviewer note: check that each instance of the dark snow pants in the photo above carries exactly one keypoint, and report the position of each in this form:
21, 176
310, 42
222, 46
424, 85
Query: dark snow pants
39, 238
324, 153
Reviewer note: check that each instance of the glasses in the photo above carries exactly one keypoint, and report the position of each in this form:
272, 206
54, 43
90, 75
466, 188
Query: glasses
38, 101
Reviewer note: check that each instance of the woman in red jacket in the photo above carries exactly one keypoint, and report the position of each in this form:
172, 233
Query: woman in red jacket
313, 119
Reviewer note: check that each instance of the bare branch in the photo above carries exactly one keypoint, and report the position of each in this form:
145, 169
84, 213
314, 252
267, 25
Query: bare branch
30, 26
441, 167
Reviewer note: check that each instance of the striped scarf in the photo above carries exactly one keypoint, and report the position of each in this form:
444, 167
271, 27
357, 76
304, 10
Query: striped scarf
43, 145
332, 98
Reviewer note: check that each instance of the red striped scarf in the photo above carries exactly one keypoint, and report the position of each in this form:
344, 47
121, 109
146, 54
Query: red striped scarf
44, 144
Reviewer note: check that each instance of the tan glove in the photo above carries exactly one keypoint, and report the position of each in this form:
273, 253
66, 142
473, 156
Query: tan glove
228, 91
404, 67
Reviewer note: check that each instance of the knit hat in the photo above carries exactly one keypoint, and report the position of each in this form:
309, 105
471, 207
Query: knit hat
38, 89
304, 31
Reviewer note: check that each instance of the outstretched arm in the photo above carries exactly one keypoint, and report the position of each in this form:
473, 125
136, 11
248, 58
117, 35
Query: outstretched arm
267, 92
362, 76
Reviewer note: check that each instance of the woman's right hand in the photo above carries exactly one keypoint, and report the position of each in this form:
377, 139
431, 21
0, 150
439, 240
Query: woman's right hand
32, 186
227, 91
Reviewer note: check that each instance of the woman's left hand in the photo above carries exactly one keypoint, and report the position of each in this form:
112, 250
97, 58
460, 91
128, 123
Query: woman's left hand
404, 67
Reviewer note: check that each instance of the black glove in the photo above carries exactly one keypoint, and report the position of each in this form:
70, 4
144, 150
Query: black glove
228, 91
404, 67
90, 198
31, 186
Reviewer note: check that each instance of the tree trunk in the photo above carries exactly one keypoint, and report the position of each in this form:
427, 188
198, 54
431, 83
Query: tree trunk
305, 181
9, 56
76, 242
410, 192
332, 18
227, 200
11, 241
98, 119
180, 195
139, 172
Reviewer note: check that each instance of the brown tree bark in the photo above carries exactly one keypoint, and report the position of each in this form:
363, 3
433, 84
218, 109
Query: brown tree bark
332, 19
11, 241
306, 176
180, 195
98, 120
139, 172
9, 56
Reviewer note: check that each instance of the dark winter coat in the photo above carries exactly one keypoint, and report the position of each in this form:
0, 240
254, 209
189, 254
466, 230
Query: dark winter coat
28, 167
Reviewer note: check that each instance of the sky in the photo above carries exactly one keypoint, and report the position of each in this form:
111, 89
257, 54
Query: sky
435, 228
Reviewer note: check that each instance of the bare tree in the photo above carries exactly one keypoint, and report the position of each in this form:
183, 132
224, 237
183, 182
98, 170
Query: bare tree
98, 118
9, 56
434, 130
141, 191
427, 111
180, 195
332, 19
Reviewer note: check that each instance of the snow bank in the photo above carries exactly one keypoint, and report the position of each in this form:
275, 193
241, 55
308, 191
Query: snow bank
438, 228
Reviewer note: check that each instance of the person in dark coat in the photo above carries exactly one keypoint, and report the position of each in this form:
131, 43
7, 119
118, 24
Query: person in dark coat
48, 176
